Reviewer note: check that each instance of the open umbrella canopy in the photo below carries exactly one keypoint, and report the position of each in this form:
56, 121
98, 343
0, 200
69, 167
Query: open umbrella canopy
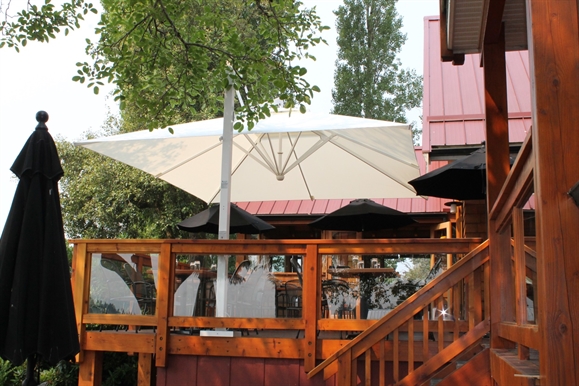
284, 157
241, 221
36, 307
464, 179
363, 215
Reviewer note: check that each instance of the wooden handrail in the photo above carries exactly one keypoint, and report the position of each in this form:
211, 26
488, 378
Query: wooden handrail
517, 188
401, 314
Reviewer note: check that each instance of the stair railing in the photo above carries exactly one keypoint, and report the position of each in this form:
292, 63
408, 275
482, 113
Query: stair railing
440, 321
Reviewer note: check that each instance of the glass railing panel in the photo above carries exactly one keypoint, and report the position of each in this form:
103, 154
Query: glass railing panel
119, 285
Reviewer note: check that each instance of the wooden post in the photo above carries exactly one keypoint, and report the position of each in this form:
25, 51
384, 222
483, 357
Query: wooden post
311, 303
497, 159
554, 64
90, 370
145, 368
164, 296
80, 290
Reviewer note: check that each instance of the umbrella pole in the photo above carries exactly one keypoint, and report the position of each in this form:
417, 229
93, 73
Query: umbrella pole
225, 199
30, 367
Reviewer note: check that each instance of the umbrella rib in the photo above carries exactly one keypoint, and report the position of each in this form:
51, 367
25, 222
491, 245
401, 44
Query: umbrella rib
377, 168
321, 142
264, 161
394, 158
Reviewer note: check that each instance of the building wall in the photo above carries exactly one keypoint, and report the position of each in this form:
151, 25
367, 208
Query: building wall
189, 370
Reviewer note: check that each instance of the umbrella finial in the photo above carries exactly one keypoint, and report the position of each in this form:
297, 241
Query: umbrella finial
41, 118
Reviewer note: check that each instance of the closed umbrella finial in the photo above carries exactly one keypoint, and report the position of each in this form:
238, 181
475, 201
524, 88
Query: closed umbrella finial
41, 118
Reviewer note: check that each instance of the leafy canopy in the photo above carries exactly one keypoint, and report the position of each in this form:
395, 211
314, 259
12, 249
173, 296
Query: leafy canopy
168, 57
369, 81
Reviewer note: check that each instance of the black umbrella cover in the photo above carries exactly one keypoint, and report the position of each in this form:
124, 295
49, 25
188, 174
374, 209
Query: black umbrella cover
363, 215
240, 221
464, 179
36, 306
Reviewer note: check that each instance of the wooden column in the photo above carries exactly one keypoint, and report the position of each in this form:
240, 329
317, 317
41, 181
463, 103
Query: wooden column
164, 297
554, 63
497, 158
311, 303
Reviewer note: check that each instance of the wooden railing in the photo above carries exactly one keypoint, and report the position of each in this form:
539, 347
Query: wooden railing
152, 334
459, 325
507, 216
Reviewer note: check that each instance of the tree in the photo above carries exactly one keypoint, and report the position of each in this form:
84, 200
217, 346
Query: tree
368, 80
103, 198
175, 57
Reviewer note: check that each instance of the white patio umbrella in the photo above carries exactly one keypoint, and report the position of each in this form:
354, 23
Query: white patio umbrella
284, 157
302, 156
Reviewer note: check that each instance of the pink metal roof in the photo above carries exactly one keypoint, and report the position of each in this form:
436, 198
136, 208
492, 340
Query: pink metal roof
453, 114
321, 207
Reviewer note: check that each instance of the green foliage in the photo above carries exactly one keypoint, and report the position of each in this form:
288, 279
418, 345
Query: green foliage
41, 23
63, 374
172, 57
368, 80
6, 372
119, 369
103, 198
418, 267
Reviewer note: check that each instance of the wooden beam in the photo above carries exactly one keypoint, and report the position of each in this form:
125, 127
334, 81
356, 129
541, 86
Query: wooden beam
493, 21
119, 341
553, 58
497, 157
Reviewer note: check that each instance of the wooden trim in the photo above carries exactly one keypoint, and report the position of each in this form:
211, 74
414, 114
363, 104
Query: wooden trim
527, 335
237, 323
117, 319
122, 341
251, 347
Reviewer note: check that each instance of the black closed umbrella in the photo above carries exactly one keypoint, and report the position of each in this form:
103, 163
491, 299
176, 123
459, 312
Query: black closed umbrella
37, 319
464, 179
363, 215
241, 221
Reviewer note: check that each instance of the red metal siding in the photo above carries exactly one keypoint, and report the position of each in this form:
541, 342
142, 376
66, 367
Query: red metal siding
454, 95
191, 370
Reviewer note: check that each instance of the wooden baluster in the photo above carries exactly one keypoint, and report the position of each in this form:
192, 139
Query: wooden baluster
456, 310
368, 367
354, 371
411, 345
345, 367
382, 365
520, 275
425, 333
440, 319
396, 356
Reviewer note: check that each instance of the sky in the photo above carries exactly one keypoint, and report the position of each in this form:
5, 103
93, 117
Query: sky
40, 78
